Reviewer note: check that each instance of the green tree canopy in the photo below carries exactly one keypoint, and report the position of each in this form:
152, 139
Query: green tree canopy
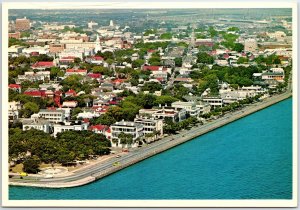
205, 58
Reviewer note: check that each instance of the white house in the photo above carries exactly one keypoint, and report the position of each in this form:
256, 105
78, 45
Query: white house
150, 125
132, 128
53, 116
13, 110
193, 108
68, 126
213, 101
174, 114
70, 104
39, 124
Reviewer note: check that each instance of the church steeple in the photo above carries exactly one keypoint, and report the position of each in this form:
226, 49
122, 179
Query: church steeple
98, 46
193, 38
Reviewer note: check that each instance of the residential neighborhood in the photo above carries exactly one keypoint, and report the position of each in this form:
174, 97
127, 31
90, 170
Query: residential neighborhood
127, 88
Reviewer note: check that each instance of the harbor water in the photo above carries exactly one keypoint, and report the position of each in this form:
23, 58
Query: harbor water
250, 158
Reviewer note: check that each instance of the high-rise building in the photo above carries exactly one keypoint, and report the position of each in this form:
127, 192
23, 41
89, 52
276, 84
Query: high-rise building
22, 24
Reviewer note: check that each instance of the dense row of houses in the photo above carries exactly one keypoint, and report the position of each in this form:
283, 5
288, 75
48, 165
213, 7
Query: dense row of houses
67, 47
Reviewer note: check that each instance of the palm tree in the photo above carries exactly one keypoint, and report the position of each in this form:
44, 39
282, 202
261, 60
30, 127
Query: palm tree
125, 139
115, 141
149, 136
129, 139
156, 134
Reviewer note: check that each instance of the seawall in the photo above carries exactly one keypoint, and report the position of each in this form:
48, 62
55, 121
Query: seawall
164, 144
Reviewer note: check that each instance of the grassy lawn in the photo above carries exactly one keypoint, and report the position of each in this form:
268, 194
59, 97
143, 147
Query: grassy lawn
17, 168
44, 165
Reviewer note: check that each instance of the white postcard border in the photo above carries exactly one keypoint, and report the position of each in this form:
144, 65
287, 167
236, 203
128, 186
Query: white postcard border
143, 203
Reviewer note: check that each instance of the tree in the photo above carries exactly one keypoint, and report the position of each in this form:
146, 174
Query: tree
102, 70
212, 32
200, 36
154, 60
233, 29
149, 136
165, 99
75, 112
106, 55
31, 165
29, 108
110, 61
238, 47
212, 83
25, 34
242, 60
14, 41
104, 119
178, 62
166, 36
150, 31
56, 72
125, 139
72, 82
205, 58
152, 87
137, 63
179, 91
77, 60
130, 110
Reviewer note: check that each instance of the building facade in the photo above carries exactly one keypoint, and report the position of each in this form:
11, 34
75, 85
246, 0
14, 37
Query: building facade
53, 116
132, 128
22, 24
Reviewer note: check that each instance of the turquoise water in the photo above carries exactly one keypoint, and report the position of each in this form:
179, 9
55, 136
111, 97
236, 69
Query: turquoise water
247, 159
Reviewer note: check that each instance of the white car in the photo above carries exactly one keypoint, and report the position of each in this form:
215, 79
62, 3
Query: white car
48, 176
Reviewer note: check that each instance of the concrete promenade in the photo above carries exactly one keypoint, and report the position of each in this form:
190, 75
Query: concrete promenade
101, 170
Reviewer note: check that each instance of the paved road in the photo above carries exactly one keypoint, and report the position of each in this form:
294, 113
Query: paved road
135, 155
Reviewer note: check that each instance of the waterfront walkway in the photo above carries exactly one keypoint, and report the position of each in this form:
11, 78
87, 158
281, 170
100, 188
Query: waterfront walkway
90, 174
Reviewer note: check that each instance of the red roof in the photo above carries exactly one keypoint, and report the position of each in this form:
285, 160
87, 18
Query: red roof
118, 80
151, 51
112, 102
14, 86
152, 68
58, 92
34, 53
68, 57
76, 70
95, 76
98, 58
226, 55
43, 64
35, 93
160, 79
99, 127
71, 92
86, 120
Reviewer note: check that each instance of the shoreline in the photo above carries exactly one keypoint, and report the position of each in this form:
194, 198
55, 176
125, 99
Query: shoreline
104, 169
